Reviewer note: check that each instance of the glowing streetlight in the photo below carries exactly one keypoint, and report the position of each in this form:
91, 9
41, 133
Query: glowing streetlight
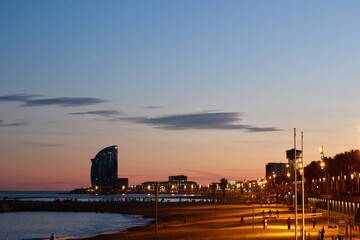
322, 165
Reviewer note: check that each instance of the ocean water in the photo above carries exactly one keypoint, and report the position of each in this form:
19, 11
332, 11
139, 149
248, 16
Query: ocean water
70, 225
62, 196
64, 225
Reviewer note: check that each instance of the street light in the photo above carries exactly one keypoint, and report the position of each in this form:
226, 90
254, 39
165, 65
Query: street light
322, 164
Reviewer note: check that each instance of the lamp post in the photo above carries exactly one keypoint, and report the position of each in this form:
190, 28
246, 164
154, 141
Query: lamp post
295, 189
156, 207
322, 164
302, 185
288, 195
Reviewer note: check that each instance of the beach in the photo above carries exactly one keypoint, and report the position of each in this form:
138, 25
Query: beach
223, 221
197, 220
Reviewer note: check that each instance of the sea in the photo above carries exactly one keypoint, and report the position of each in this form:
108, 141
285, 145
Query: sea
64, 225
73, 225
49, 196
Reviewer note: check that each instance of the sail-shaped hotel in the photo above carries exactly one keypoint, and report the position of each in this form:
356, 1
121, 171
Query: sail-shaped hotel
104, 170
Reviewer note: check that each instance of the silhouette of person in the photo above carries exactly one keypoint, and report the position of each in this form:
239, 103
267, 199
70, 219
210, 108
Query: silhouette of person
288, 222
263, 223
52, 237
322, 233
314, 223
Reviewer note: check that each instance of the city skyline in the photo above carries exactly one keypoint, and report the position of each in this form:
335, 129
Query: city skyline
207, 89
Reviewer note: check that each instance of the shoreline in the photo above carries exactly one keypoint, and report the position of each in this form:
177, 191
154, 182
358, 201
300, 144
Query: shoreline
187, 221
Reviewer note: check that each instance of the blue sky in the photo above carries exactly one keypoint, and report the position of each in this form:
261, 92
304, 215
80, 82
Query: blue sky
179, 85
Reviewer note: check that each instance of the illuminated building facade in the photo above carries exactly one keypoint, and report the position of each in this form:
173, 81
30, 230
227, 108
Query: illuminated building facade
177, 183
104, 169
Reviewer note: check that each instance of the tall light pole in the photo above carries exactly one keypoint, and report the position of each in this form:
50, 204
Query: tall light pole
302, 163
156, 206
322, 164
288, 194
295, 159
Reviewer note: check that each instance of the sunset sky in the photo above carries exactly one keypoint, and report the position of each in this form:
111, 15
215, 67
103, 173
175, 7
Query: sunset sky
208, 89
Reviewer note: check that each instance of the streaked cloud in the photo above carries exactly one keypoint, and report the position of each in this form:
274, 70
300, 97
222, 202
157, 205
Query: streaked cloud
202, 173
40, 144
104, 113
22, 97
202, 120
260, 129
63, 102
152, 107
33, 100
14, 124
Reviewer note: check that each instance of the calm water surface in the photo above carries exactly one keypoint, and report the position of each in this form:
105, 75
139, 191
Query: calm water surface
62, 196
64, 225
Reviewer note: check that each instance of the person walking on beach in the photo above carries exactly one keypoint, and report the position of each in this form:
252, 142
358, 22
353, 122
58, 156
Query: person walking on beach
52, 237
322, 233
288, 222
263, 223
266, 223
314, 223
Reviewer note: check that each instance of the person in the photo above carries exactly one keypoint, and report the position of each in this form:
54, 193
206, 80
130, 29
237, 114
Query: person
322, 233
242, 220
52, 237
288, 222
314, 223
277, 213
266, 223
263, 223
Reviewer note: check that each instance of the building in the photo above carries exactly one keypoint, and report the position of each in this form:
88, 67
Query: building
177, 183
275, 169
290, 156
178, 179
104, 170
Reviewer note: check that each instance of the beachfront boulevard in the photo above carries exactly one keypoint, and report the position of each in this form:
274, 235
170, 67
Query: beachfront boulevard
187, 220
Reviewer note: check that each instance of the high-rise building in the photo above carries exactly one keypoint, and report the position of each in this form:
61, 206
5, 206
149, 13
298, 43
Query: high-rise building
104, 169
290, 155
275, 168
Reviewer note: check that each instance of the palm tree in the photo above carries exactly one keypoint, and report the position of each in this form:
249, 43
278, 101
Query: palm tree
223, 184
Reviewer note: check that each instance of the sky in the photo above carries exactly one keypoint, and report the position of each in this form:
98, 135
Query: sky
208, 89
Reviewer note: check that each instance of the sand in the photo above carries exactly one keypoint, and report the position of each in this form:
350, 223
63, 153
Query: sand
204, 222
189, 220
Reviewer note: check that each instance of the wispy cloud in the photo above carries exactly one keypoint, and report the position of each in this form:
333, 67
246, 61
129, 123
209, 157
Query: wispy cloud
15, 124
33, 100
152, 107
22, 97
202, 120
63, 102
202, 173
104, 113
262, 129
40, 144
